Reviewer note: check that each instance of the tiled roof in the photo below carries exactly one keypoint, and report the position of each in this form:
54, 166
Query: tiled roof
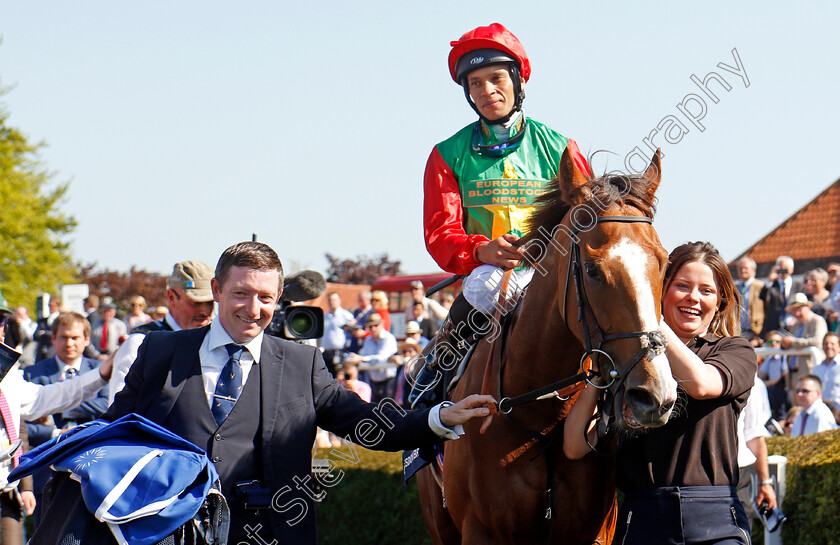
811, 234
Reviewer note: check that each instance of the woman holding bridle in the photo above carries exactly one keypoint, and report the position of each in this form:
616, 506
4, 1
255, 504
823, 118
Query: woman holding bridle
679, 479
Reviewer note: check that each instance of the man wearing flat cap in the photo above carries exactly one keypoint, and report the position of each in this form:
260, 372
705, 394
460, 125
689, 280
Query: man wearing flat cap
808, 330
190, 301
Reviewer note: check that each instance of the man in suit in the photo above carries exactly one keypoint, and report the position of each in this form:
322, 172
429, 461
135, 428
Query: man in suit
207, 384
71, 335
777, 293
752, 306
43, 330
190, 301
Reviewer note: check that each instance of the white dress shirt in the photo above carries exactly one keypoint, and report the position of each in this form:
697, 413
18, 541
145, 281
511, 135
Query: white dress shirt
751, 422
214, 356
829, 375
63, 367
820, 418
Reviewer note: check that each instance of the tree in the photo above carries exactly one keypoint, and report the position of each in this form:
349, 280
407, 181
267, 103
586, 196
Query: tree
362, 270
123, 285
35, 252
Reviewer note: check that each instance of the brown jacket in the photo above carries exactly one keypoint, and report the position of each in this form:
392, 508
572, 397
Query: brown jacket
756, 306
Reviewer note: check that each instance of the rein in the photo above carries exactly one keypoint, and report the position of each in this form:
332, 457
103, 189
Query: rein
652, 342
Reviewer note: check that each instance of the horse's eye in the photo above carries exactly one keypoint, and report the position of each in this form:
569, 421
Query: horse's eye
592, 271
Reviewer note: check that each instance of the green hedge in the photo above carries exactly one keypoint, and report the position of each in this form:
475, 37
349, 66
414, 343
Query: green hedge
812, 496
370, 505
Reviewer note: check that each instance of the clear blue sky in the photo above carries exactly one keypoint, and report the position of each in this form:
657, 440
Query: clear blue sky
186, 126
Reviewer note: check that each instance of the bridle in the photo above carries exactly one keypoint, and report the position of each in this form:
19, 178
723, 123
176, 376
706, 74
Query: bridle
652, 342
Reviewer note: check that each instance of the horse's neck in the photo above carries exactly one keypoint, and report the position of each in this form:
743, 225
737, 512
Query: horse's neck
541, 350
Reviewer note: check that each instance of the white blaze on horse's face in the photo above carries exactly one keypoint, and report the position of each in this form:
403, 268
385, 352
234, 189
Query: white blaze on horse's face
635, 260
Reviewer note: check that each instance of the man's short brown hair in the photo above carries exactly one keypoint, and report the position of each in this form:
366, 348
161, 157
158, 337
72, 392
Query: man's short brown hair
69, 319
251, 255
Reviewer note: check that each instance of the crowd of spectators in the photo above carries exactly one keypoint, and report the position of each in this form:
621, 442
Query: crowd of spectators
34, 338
797, 324
361, 343
779, 313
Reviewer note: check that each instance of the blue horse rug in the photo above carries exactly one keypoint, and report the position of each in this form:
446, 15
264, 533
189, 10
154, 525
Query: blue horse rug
139, 478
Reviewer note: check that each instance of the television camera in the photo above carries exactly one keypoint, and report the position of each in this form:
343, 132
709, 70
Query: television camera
299, 322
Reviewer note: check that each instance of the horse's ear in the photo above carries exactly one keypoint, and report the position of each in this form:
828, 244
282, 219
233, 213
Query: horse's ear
569, 178
653, 173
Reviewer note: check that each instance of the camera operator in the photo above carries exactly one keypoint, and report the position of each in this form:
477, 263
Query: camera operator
777, 293
334, 341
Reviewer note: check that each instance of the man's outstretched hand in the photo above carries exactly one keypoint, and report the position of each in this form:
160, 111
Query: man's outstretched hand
474, 406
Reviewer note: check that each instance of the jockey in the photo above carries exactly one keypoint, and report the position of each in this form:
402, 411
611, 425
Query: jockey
480, 187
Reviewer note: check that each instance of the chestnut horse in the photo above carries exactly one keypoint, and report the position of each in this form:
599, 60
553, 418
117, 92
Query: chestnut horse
595, 295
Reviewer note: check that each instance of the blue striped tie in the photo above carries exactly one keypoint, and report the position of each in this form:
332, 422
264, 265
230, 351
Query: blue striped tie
229, 386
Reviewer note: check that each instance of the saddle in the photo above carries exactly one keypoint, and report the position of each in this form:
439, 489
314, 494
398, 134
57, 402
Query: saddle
415, 460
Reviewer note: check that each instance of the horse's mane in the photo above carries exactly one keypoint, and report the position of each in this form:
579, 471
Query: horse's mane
609, 190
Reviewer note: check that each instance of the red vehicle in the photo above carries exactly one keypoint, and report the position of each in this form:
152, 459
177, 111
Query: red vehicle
398, 288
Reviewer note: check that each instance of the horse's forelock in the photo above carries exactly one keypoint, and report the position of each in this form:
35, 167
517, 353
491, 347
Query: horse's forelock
609, 190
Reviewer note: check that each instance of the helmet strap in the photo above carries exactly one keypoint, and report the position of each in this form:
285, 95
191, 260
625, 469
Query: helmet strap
518, 92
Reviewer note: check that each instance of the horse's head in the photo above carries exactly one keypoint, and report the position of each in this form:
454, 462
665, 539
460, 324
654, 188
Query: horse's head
609, 265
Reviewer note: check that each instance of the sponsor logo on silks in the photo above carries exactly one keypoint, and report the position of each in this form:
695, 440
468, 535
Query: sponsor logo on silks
477, 60
415, 460
501, 192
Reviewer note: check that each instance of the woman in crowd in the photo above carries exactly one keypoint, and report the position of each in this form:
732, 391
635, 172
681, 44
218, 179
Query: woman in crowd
815, 289
679, 480
379, 303
137, 314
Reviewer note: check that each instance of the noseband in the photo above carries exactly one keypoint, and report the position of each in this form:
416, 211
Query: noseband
652, 342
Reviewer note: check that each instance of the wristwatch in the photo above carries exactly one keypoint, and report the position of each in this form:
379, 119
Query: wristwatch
766, 482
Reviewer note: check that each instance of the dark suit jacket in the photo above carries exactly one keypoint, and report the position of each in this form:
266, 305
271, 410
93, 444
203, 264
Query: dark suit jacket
774, 305
48, 372
43, 337
297, 394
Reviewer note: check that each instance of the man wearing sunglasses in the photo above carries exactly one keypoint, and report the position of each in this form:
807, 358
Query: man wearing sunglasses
481, 184
815, 416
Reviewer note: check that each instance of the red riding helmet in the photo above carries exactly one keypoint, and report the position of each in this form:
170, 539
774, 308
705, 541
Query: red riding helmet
494, 37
